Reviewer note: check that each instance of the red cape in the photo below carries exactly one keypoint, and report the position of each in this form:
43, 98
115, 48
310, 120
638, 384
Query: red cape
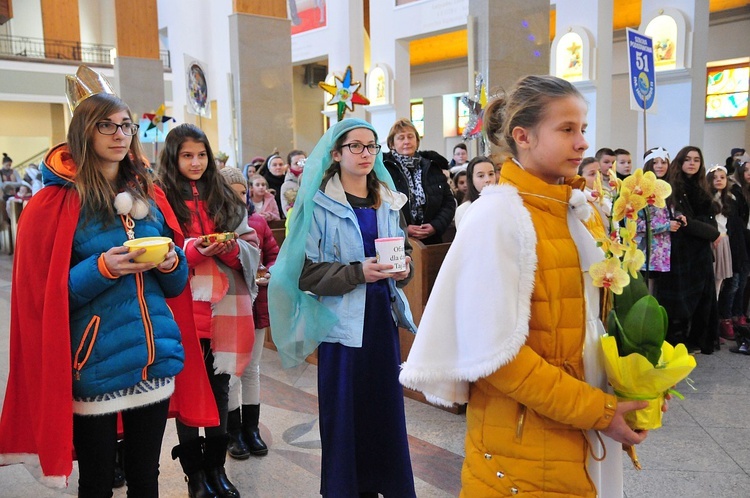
36, 425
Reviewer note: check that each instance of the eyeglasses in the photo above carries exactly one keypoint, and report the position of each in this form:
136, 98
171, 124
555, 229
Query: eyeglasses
109, 128
358, 148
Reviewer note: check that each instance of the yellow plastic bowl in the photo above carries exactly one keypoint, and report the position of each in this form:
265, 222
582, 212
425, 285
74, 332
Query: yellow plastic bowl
156, 249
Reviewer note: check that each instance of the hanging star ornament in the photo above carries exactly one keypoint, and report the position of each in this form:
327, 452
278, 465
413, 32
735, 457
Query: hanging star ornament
157, 119
476, 107
345, 93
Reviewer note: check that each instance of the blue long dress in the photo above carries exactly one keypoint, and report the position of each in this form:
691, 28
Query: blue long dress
362, 422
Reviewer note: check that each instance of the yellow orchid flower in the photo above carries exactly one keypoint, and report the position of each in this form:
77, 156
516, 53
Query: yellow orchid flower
598, 192
640, 183
633, 260
662, 190
614, 182
627, 205
612, 245
610, 275
629, 232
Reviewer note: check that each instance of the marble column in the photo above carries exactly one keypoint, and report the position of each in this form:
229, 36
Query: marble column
595, 16
139, 72
511, 39
261, 63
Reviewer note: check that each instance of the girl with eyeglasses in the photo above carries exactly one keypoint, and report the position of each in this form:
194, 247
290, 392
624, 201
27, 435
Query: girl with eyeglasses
329, 292
96, 334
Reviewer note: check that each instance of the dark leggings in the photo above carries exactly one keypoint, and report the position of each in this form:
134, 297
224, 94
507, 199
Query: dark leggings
220, 387
95, 441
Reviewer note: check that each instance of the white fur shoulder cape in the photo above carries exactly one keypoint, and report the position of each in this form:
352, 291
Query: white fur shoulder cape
477, 316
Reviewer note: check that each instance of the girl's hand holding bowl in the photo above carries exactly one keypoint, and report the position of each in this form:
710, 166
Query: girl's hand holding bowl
170, 260
119, 261
215, 248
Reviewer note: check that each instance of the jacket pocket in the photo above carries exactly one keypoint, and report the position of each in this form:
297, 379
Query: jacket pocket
520, 421
88, 339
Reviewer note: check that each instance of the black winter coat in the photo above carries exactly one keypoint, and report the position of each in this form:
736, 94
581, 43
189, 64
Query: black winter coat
440, 206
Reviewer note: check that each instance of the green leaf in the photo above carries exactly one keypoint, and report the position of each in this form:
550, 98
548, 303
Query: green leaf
644, 328
632, 292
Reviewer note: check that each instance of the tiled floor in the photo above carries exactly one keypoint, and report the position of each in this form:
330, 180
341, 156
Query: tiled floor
702, 450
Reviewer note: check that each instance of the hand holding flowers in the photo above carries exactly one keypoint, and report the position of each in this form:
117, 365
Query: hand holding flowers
640, 365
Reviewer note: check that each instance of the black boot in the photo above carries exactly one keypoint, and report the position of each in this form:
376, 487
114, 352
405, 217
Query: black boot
191, 458
216, 455
237, 447
250, 416
119, 480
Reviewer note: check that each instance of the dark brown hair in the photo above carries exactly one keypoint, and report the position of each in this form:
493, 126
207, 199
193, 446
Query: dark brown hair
649, 165
473, 194
222, 204
677, 178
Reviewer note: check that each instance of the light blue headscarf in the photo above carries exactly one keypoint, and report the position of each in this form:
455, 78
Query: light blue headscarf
299, 322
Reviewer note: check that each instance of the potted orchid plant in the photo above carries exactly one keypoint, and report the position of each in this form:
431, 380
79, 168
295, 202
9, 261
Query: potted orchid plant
640, 364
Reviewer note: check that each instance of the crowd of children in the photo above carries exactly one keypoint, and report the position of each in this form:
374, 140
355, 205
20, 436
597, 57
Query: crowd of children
190, 329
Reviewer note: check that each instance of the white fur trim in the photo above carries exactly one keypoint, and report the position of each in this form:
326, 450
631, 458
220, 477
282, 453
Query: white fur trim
477, 316
140, 209
31, 463
123, 203
579, 205
123, 403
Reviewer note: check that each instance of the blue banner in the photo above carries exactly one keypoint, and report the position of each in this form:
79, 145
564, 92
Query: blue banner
641, 66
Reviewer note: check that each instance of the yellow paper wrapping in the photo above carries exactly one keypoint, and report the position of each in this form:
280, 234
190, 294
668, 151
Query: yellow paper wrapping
633, 377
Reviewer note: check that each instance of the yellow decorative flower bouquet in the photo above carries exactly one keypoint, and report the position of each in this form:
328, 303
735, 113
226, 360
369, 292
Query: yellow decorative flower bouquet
640, 364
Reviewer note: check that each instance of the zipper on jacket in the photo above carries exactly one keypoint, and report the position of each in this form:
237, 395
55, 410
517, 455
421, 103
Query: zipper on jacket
93, 329
519, 422
196, 199
148, 327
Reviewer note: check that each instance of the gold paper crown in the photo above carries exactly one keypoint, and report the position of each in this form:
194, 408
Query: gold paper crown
85, 83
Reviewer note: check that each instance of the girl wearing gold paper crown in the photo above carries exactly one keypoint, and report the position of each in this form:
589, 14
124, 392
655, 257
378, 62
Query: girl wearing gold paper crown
93, 334
538, 419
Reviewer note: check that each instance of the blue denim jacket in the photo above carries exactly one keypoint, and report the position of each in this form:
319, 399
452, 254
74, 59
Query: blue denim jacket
335, 237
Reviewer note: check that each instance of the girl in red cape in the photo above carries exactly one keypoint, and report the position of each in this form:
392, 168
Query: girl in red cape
95, 335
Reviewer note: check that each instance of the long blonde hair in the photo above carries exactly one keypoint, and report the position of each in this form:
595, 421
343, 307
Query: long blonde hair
96, 192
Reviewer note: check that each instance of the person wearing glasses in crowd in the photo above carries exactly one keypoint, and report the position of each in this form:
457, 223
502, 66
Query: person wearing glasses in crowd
329, 292
94, 334
419, 175
295, 161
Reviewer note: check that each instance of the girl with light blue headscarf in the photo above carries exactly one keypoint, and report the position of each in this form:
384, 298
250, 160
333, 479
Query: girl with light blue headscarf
329, 292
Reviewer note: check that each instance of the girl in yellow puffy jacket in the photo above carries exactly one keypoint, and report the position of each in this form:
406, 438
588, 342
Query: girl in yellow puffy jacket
516, 336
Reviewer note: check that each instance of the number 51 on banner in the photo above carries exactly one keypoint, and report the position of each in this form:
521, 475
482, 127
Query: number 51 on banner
641, 75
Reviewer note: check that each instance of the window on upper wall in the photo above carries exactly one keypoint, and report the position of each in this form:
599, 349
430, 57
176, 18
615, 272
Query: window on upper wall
726, 91
417, 116
462, 116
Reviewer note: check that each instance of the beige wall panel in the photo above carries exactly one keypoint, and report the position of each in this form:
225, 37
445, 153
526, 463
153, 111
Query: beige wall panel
61, 23
137, 29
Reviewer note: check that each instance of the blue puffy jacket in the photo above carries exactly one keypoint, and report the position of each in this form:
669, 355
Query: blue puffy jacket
122, 330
